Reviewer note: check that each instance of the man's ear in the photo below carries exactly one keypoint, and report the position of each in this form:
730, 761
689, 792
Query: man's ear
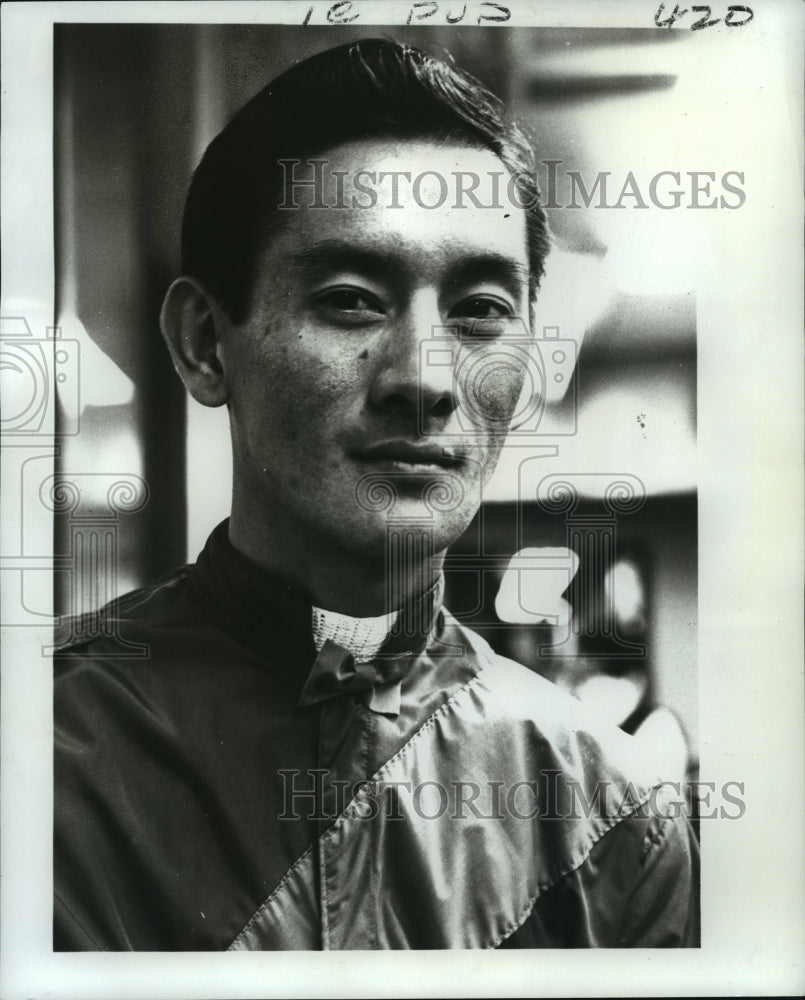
192, 329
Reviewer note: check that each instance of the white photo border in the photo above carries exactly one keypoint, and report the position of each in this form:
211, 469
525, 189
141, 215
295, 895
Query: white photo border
750, 324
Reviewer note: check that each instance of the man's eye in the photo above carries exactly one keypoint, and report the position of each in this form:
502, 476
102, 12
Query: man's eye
350, 302
481, 307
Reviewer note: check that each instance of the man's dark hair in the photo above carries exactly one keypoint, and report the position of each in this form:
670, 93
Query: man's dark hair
366, 89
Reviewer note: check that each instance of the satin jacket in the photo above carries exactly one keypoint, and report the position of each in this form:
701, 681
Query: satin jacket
219, 785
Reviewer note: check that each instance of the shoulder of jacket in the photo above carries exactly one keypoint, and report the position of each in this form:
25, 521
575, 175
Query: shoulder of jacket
74, 634
514, 694
517, 686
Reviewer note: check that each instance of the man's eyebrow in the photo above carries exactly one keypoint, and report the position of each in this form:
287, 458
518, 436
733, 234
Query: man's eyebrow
327, 255
318, 258
511, 273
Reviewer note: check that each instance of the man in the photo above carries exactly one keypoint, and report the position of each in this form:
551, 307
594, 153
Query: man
315, 754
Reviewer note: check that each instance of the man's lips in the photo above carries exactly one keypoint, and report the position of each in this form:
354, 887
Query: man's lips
411, 454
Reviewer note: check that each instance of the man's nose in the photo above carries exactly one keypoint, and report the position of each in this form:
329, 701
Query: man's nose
416, 370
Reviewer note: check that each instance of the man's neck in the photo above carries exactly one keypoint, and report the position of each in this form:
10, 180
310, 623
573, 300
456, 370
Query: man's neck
334, 578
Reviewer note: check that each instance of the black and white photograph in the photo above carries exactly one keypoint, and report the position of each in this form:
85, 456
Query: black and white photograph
402, 512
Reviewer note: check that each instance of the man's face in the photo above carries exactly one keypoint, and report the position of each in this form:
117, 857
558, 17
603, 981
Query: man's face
347, 373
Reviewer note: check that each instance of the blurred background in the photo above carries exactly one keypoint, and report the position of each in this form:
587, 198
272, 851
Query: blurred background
598, 596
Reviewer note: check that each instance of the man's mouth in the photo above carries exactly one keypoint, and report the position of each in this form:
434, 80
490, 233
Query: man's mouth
411, 456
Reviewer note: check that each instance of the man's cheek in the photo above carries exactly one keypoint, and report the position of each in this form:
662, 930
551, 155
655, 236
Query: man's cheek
491, 397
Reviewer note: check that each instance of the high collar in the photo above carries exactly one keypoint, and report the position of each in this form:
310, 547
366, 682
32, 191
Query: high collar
275, 619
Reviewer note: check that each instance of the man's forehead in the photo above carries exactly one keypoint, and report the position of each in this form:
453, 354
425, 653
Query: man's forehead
392, 199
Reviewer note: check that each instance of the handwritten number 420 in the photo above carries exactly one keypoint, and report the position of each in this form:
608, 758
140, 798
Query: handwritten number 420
736, 17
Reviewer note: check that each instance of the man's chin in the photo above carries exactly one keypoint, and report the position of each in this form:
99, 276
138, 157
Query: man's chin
411, 531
